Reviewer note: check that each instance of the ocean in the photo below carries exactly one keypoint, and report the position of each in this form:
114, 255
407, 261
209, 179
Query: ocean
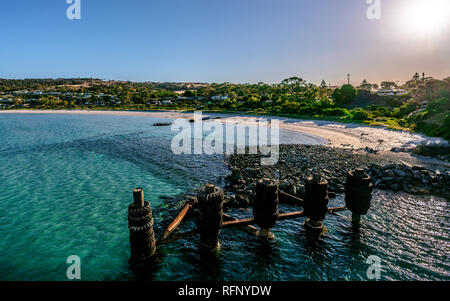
66, 181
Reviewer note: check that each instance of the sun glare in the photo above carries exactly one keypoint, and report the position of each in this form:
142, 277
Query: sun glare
426, 17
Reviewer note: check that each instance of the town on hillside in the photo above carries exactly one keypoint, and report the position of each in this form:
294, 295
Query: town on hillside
420, 104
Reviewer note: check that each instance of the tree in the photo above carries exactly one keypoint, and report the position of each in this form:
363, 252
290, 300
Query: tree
126, 98
253, 101
416, 76
293, 84
190, 93
205, 91
345, 95
323, 84
365, 85
388, 85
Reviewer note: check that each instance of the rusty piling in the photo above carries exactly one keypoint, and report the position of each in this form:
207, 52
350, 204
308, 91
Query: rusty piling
142, 236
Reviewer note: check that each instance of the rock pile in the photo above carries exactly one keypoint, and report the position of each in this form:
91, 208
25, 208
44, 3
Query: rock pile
411, 179
297, 162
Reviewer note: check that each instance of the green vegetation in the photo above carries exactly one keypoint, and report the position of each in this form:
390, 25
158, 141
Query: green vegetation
424, 107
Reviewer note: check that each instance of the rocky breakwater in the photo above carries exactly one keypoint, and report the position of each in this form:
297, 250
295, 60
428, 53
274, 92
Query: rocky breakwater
410, 179
298, 162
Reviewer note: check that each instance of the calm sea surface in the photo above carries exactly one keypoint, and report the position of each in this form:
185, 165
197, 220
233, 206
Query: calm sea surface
66, 181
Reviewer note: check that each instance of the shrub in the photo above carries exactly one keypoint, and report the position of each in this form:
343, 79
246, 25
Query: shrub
380, 111
345, 95
359, 114
407, 108
290, 107
336, 112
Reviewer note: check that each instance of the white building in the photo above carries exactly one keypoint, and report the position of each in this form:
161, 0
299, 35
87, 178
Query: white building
220, 97
391, 92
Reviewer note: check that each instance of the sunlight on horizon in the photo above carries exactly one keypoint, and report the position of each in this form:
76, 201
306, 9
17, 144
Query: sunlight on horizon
426, 18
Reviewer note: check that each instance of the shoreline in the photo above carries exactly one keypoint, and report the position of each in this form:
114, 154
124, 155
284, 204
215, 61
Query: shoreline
341, 135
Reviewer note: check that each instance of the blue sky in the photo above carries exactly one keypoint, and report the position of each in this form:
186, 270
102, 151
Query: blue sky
218, 41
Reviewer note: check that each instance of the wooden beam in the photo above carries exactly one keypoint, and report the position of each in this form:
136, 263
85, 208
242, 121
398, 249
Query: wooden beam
281, 217
290, 215
177, 221
252, 221
239, 223
176, 237
337, 209
243, 223
289, 199
248, 229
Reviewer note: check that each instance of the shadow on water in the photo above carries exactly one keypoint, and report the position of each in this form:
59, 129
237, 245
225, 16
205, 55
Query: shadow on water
266, 250
206, 265
266, 258
312, 244
148, 273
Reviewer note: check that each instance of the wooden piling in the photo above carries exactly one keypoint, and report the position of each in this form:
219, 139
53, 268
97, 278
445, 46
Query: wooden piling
138, 196
142, 236
358, 193
265, 209
316, 198
210, 220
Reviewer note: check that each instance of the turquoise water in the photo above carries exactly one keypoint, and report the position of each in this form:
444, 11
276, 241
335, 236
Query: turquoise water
66, 181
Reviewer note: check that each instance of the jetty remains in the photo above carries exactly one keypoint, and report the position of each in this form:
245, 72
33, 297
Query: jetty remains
212, 220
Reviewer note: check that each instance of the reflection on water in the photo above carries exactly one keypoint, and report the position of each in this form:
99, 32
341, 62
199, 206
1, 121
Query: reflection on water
408, 250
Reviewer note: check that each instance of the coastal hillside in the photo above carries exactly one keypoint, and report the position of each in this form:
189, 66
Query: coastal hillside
420, 105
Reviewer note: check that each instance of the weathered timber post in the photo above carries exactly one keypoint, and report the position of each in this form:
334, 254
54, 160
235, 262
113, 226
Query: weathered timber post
265, 209
358, 193
210, 220
316, 202
142, 236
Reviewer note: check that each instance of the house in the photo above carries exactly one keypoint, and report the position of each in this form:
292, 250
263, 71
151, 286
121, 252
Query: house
185, 98
167, 102
220, 97
15, 93
391, 92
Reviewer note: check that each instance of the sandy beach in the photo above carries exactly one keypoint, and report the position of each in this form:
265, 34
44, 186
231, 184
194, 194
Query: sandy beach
343, 135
